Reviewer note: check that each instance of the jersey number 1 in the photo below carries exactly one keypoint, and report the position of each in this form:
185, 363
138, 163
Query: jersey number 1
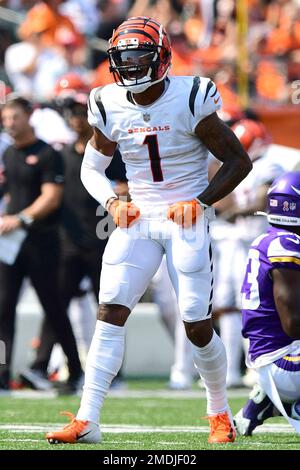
151, 141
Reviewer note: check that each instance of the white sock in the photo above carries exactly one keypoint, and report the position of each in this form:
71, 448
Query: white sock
231, 335
211, 364
103, 363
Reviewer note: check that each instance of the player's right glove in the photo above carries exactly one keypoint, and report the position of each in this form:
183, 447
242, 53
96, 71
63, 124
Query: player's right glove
185, 213
123, 213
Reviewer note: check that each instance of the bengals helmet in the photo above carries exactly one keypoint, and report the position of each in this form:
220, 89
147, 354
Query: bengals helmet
70, 81
139, 54
253, 136
70, 89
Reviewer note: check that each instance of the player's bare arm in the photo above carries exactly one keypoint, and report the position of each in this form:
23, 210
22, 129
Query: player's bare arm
225, 146
287, 299
102, 143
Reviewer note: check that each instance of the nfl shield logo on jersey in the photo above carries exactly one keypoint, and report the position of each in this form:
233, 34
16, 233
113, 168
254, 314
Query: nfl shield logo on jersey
146, 117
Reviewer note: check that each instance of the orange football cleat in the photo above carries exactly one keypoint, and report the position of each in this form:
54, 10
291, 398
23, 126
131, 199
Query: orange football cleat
76, 431
221, 429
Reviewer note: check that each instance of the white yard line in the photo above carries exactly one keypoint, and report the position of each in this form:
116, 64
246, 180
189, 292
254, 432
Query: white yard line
128, 428
162, 393
20, 440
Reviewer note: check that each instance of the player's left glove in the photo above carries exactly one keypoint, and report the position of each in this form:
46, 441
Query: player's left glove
185, 213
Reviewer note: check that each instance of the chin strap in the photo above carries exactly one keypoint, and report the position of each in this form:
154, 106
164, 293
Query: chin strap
280, 219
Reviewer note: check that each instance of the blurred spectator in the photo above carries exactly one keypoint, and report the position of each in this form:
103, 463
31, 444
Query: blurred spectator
32, 66
271, 82
207, 8
50, 126
72, 49
85, 14
46, 12
112, 12
204, 35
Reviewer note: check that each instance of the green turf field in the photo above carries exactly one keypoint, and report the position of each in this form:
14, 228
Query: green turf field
147, 416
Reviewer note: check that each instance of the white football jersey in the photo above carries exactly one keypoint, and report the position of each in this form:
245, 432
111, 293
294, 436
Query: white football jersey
165, 161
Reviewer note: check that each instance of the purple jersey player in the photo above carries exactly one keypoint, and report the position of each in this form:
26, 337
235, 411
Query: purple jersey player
271, 311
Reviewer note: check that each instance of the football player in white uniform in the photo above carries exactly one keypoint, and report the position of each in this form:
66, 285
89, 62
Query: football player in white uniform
164, 128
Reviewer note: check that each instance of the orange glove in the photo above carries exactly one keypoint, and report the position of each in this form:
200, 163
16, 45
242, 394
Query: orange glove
184, 213
123, 213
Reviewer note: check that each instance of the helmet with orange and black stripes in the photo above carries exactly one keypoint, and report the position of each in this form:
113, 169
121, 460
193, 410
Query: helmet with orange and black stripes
253, 136
139, 53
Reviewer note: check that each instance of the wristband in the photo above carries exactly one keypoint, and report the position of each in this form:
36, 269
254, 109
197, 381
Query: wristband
26, 220
110, 201
202, 204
